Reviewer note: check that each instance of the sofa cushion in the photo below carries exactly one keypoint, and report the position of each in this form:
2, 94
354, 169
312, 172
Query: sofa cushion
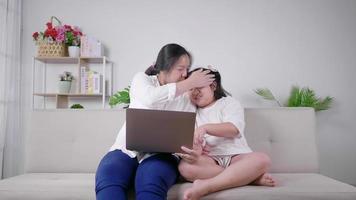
74, 141
287, 135
38, 186
291, 186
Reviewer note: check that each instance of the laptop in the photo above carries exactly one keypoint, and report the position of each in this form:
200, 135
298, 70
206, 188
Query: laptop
158, 130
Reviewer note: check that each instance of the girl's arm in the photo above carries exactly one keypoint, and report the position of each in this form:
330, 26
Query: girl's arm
233, 122
225, 129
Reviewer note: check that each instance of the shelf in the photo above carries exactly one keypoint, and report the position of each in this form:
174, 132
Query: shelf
67, 94
62, 99
71, 60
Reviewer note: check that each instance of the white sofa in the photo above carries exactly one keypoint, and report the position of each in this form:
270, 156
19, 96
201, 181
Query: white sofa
64, 147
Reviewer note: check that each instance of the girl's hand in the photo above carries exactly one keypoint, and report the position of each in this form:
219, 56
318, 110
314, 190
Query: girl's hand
206, 149
201, 78
190, 155
199, 136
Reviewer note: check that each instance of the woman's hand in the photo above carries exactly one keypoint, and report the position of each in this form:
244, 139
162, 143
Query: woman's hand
201, 78
198, 78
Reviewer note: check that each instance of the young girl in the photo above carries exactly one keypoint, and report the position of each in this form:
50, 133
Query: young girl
221, 158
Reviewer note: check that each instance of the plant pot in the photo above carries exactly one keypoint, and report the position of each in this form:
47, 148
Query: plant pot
64, 87
73, 51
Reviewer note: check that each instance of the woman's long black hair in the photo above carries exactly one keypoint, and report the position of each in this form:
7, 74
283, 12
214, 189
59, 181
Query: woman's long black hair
219, 91
167, 57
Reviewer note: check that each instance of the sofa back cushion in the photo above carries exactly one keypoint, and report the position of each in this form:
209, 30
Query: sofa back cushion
75, 140
287, 135
70, 140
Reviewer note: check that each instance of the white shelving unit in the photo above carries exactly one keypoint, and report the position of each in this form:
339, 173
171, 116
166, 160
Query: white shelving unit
63, 99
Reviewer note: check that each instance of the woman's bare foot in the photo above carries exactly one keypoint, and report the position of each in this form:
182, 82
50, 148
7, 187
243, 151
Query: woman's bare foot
265, 180
198, 190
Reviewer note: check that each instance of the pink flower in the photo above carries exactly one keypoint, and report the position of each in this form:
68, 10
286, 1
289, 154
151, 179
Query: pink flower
77, 31
60, 29
67, 27
67, 34
60, 37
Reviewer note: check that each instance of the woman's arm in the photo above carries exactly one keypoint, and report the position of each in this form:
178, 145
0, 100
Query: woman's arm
143, 89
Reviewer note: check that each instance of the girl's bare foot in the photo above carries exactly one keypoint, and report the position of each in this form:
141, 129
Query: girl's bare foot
265, 180
198, 190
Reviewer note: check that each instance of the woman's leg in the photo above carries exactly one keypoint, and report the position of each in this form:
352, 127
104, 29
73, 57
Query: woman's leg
243, 170
205, 167
114, 175
154, 176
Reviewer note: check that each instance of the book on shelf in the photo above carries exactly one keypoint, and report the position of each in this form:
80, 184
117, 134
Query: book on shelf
90, 47
83, 70
91, 81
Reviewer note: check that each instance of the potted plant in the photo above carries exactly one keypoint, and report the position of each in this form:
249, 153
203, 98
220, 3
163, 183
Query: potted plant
72, 35
120, 97
55, 38
77, 106
304, 97
65, 82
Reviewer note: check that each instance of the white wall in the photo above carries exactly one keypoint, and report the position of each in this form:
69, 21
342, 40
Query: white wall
254, 44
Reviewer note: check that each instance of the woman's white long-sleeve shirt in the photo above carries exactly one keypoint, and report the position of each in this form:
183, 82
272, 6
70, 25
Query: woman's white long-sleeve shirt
146, 93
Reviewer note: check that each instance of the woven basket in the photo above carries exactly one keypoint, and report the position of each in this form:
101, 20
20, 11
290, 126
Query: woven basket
51, 50
54, 49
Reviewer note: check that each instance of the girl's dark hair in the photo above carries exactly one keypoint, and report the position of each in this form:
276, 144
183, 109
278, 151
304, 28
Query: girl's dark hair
167, 57
219, 91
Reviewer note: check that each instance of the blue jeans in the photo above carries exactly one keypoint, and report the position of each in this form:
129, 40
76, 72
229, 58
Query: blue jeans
152, 177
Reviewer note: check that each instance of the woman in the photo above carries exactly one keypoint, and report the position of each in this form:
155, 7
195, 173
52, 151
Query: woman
161, 87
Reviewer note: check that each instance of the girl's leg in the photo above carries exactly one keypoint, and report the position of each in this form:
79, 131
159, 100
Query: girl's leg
154, 176
243, 170
114, 175
205, 167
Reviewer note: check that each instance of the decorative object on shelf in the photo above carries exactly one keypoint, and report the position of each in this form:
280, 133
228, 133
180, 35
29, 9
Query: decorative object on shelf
77, 106
73, 51
304, 97
120, 97
91, 47
65, 83
73, 40
52, 42
91, 81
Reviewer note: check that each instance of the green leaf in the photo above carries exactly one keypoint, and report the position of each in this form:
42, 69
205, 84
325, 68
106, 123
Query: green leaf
120, 97
294, 98
324, 104
265, 93
306, 97
76, 106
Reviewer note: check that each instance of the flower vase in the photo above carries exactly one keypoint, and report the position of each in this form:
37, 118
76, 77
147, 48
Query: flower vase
73, 51
64, 87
